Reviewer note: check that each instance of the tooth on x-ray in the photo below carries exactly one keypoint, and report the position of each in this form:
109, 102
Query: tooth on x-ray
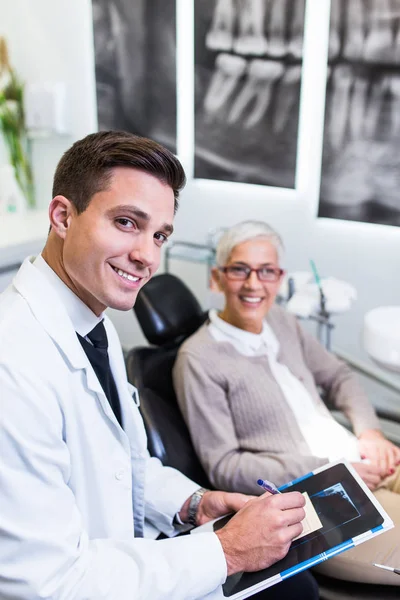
262, 75
358, 107
339, 110
355, 30
220, 36
375, 105
228, 71
396, 52
251, 38
395, 105
287, 96
297, 29
276, 29
334, 39
379, 45
119, 33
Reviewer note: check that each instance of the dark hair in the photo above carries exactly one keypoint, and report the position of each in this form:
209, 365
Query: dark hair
86, 168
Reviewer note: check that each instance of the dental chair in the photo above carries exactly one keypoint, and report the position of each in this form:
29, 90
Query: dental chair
168, 313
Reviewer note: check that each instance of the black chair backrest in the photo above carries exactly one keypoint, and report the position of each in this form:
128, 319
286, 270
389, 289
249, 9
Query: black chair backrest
149, 369
167, 312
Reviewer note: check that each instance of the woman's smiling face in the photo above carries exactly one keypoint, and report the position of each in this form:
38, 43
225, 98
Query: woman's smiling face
247, 302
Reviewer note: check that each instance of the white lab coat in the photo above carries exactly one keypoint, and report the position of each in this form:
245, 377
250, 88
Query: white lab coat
75, 487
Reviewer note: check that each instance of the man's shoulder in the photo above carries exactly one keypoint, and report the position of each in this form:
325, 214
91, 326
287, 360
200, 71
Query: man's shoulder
14, 313
21, 335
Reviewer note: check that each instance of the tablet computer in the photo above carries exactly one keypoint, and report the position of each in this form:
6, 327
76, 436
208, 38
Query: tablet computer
349, 514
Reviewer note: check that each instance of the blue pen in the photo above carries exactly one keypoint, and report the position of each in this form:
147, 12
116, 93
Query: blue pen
268, 486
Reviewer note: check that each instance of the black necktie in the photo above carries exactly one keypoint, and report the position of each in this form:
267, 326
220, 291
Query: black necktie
98, 357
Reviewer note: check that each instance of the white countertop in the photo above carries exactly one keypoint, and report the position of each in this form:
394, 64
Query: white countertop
22, 234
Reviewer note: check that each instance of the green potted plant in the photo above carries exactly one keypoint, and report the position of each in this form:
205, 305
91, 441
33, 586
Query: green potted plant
12, 124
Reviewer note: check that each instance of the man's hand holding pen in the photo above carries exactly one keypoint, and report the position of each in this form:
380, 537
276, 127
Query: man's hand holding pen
260, 533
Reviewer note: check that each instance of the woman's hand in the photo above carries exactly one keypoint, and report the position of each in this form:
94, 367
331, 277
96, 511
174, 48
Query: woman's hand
373, 445
369, 473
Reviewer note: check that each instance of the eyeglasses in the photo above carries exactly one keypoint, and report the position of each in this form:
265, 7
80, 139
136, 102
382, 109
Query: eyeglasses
243, 272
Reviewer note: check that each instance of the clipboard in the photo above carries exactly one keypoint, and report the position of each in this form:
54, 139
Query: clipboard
350, 515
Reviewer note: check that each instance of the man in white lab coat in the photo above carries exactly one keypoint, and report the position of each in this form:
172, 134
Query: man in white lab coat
80, 498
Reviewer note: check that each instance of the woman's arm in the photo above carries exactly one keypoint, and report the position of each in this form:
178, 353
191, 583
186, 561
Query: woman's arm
339, 382
346, 394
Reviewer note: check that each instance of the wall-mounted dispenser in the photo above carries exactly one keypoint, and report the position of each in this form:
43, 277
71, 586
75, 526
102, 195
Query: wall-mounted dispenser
45, 106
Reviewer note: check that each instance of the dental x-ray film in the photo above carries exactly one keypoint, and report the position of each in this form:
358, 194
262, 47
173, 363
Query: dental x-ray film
248, 66
135, 61
361, 165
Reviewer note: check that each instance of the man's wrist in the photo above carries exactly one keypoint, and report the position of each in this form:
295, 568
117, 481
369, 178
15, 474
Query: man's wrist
233, 563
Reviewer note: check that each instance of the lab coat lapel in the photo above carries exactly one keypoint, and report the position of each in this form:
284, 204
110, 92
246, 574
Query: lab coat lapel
133, 426
49, 311
128, 396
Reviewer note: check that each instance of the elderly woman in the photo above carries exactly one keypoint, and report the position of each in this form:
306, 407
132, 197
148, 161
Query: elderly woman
247, 383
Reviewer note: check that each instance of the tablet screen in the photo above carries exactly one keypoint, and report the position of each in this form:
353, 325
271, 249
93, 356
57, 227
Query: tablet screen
345, 512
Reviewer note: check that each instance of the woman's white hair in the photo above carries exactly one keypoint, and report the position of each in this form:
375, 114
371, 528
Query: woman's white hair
244, 232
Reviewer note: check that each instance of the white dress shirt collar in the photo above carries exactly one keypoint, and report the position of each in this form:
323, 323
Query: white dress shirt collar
83, 319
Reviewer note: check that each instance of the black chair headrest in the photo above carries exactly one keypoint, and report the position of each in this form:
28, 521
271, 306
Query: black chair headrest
167, 310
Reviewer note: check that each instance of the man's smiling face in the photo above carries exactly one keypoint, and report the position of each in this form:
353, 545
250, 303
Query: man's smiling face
113, 247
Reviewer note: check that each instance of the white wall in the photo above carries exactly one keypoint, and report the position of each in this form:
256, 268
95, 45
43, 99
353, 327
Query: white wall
52, 40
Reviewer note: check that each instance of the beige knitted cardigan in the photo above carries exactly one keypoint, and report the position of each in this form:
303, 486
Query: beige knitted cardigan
241, 425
